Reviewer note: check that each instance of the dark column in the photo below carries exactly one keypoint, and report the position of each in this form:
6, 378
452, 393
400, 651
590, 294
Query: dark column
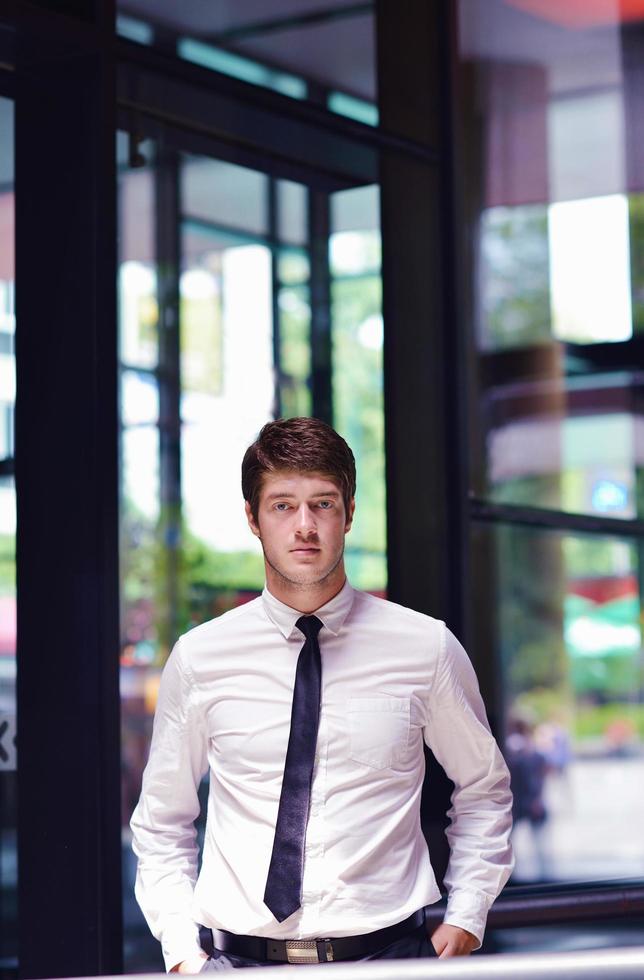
425, 478
168, 247
66, 475
319, 231
272, 192
424, 438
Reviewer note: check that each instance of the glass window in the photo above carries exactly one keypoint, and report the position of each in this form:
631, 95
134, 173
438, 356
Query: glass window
145, 594
552, 186
231, 381
222, 415
245, 356
560, 615
295, 352
138, 306
224, 194
357, 334
292, 203
8, 750
185, 549
7, 358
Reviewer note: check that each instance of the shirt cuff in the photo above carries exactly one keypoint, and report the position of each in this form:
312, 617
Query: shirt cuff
179, 941
468, 910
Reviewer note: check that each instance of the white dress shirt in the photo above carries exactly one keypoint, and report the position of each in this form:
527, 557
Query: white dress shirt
390, 677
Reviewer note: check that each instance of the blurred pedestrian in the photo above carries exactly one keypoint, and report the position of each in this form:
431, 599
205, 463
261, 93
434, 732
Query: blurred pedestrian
528, 767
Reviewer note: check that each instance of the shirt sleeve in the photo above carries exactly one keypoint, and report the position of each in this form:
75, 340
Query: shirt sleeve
164, 834
458, 734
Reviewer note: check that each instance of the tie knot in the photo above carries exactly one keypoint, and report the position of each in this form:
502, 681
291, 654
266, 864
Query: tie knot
310, 626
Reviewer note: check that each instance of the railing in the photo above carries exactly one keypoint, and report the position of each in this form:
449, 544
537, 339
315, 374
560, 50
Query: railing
598, 964
555, 904
567, 905
531, 906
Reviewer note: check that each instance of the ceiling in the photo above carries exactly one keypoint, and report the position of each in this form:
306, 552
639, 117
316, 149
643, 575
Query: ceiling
331, 42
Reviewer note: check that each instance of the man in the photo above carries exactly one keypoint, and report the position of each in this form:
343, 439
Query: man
309, 706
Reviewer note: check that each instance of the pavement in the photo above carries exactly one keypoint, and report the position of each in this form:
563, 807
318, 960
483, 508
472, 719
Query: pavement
595, 824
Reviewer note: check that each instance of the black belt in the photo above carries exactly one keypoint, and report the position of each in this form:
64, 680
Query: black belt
310, 950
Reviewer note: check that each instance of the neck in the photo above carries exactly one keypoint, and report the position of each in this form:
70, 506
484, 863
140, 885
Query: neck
305, 598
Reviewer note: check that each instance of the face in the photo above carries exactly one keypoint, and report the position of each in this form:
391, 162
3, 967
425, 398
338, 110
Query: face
301, 523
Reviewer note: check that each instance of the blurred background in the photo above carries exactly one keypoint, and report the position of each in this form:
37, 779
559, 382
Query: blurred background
424, 225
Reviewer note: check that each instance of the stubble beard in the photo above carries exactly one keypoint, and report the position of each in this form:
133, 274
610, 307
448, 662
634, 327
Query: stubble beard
303, 582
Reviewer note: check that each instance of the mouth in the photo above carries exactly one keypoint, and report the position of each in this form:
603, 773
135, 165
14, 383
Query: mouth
304, 551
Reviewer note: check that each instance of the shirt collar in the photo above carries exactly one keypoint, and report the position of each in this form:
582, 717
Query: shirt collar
332, 614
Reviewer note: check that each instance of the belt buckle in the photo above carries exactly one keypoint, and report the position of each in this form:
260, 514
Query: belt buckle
306, 950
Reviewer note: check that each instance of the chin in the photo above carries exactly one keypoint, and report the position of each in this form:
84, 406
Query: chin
317, 578
298, 578
304, 575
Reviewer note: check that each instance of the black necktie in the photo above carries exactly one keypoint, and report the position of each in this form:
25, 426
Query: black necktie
284, 882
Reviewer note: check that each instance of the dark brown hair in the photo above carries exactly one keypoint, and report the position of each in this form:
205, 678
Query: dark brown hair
301, 444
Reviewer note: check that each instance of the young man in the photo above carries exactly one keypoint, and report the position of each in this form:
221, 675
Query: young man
309, 706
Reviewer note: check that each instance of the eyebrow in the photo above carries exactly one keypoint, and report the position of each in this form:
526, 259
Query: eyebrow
291, 496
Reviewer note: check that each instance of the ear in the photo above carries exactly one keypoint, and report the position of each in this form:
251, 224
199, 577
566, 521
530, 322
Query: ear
252, 523
349, 520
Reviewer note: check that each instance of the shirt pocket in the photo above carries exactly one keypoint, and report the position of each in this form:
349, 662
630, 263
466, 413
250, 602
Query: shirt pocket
378, 730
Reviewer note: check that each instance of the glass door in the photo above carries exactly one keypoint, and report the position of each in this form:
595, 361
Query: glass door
243, 296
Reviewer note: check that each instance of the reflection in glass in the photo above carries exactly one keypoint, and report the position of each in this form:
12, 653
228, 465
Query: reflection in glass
220, 420
139, 314
357, 327
553, 276
547, 445
292, 218
139, 398
559, 271
8, 748
514, 281
244, 347
293, 266
225, 194
201, 326
560, 614
354, 247
142, 552
590, 269
140, 472
138, 306
295, 350
7, 282
7, 364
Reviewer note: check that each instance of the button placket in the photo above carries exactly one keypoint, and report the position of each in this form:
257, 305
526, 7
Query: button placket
314, 848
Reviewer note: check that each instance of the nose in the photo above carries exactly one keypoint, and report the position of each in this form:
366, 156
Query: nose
305, 521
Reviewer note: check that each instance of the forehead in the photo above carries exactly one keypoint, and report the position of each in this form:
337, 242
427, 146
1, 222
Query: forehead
297, 483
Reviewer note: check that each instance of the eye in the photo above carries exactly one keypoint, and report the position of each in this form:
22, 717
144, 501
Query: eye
325, 504
281, 506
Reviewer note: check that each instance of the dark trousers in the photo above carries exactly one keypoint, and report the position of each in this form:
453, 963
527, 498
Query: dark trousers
416, 944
